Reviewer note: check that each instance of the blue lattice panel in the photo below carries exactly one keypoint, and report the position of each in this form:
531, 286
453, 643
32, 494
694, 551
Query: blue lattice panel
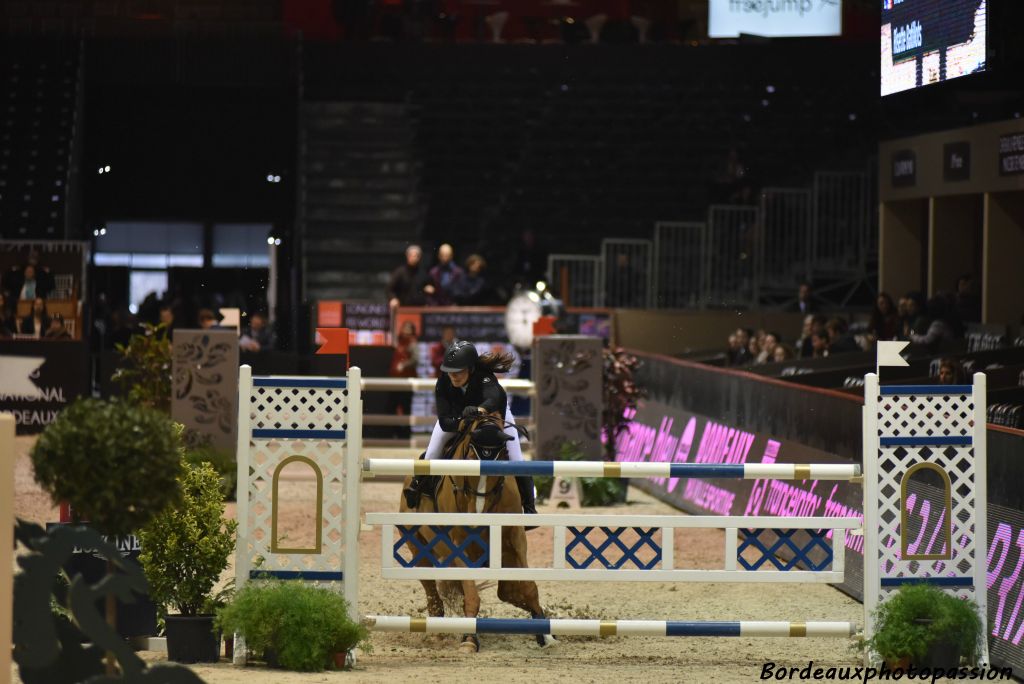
805, 549
434, 546
615, 548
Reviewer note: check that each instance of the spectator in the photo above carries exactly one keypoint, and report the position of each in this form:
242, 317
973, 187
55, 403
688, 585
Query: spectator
769, 344
781, 353
885, 321
57, 330
914, 320
819, 342
207, 319
951, 372
445, 278
811, 321
167, 319
36, 323
840, 340
942, 327
473, 289
967, 305
8, 325
259, 336
439, 349
403, 365
739, 348
29, 282
30, 286
407, 282
804, 300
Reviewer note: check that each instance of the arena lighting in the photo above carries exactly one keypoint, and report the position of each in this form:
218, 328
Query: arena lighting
103, 231
770, 89
277, 242
96, 233
106, 168
541, 286
270, 240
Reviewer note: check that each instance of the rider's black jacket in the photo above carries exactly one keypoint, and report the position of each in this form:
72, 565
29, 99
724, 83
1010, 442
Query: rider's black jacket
481, 390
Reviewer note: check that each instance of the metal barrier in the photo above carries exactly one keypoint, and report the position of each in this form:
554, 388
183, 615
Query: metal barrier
784, 244
732, 241
843, 234
628, 275
575, 278
680, 257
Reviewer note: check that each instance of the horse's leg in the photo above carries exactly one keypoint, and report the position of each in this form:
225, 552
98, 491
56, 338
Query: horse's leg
470, 595
521, 594
435, 606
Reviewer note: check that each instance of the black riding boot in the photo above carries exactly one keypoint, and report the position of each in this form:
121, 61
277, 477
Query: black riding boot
420, 485
525, 485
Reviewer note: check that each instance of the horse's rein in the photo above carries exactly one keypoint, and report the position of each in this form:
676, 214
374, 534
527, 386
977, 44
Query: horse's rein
497, 488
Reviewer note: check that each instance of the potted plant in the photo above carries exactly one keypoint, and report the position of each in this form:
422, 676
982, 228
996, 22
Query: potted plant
114, 463
146, 375
294, 625
926, 626
185, 549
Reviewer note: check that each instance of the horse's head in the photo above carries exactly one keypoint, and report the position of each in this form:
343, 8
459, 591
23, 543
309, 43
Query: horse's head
483, 439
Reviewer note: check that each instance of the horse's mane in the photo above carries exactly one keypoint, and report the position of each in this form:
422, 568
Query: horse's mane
500, 362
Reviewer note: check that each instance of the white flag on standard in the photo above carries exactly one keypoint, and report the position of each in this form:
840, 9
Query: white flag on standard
889, 354
16, 372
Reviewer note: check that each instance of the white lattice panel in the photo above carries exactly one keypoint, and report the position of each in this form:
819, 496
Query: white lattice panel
914, 415
923, 425
299, 408
265, 458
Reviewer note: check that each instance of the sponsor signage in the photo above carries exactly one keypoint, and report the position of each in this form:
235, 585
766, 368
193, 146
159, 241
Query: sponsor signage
774, 18
920, 26
904, 169
40, 379
1011, 154
956, 161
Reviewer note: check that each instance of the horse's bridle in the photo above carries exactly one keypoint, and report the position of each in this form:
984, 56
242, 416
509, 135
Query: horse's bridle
497, 489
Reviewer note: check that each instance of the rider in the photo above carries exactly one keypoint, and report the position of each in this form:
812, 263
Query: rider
467, 387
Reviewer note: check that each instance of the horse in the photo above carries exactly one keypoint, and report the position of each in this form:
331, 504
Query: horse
478, 439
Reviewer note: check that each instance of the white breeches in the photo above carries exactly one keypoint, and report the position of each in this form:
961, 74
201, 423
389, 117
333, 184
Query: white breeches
438, 439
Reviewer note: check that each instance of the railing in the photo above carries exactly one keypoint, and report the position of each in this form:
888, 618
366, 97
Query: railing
680, 262
576, 279
784, 243
628, 276
732, 241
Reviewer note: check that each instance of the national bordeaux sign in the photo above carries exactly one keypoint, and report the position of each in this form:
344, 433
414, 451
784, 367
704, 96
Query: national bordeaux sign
40, 379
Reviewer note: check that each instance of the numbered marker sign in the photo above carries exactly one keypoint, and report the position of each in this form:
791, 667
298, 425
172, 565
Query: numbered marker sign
565, 492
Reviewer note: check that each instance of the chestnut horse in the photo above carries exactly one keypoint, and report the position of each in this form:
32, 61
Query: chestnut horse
479, 439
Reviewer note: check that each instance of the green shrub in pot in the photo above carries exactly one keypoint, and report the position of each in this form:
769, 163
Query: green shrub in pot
923, 624
185, 549
301, 624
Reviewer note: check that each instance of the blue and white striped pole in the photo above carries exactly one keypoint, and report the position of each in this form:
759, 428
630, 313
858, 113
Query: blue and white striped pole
746, 471
604, 628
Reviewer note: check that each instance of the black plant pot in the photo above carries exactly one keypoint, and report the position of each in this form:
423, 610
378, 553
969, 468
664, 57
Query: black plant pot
942, 653
191, 639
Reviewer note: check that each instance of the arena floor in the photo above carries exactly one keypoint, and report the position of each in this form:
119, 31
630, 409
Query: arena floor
409, 657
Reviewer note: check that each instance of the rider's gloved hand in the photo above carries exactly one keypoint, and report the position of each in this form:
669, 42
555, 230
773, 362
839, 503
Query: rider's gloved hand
471, 412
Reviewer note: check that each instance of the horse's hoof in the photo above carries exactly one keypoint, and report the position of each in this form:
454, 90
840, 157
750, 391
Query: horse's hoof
469, 645
546, 641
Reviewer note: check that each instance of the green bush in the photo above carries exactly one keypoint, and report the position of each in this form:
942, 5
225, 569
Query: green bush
146, 375
302, 624
199, 449
186, 547
597, 491
116, 463
919, 615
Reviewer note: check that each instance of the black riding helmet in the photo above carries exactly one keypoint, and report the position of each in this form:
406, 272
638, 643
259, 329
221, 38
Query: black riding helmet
459, 357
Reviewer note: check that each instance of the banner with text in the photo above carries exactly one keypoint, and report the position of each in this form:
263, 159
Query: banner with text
774, 18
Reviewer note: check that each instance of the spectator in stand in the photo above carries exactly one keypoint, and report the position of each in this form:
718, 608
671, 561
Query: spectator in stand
8, 325
942, 327
803, 345
951, 372
914, 320
473, 289
439, 349
403, 365
819, 342
57, 330
885, 321
769, 344
36, 323
30, 281
207, 319
31, 287
406, 287
445, 278
782, 353
967, 305
738, 353
259, 336
840, 340
804, 300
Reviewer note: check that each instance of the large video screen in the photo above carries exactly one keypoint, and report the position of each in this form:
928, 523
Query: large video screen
929, 41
